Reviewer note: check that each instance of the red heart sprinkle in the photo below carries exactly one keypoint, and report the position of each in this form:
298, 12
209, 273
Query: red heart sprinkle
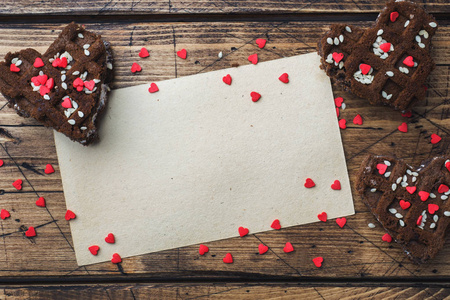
203, 249
342, 123
243, 231
44, 90
49, 169
14, 68
261, 43
407, 114
318, 261
382, 168
40, 202
94, 249
336, 185
255, 96
419, 220
4, 214
63, 62
144, 53
358, 120
288, 248
38, 62
89, 84
447, 165
227, 79
50, 83
70, 215
66, 103
341, 222
228, 259
30, 232
409, 61
153, 88
337, 57
1, 162
182, 53
387, 238
253, 58
403, 127
56, 62
78, 83
42, 79
110, 239
404, 204
435, 138
18, 184
262, 248
309, 183
385, 47
411, 189
35, 81
135, 67
116, 258
432, 208
322, 216
393, 16
284, 78
443, 188
365, 68
276, 224
338, 101
423, 195
337, 112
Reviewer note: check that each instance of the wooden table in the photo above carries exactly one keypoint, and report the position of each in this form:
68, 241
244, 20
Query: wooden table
358, 264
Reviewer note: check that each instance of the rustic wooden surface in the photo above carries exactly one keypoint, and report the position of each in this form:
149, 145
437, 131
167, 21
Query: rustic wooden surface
358, 264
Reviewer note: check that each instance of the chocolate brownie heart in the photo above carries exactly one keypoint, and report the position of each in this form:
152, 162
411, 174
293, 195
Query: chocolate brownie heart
64, 88
388, 63
411, 204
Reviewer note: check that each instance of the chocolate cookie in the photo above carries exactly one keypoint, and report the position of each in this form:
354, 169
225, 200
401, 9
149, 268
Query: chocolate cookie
411, 204
387, 63
64, 88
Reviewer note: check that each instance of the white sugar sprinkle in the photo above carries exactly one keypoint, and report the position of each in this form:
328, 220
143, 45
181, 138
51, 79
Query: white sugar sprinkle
394, 186
432, 195
348, 29
46, 97
83, 127
341, 65
80, 35
220, 55
341, 38
414, 174
109, 65
421, 45
415, 64
399, 180
371, 225
387, 163
373, 190
63, 77
336, 41
418, 39
432, 225
14, 60
435, 218
80, 114
392, 211
432, 24
390, 73
444, 197
384, 94
64, 85
414, 179
51, 60
41, 73
18, 63
86, 52
389, 97
330, 41
86, 46
380, 32
96, 80
76, 73
405, 178
408, 171
447, 213
343, 106
71, 121
406, 23
404, 184
425, 34
398, 215
401, 223
387, 174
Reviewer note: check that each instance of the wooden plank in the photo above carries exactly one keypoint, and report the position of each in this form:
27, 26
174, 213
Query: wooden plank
221, 291
352, 252
174, 7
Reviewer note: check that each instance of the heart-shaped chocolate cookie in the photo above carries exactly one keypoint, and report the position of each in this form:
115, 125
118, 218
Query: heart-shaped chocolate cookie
387, 63
411, 204
64, 88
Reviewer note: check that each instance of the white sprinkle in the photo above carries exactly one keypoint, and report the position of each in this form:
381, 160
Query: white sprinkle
68, 67
414, 179
46, 97
71, 121
425, 34
398, 215
74, 105
80, 114
96, 80
373, 190
80, 35
379, 39
422, 32
387, 174
424, 214
86, 52
220, 55
435, 218
444, 197
348, 29
432, 24
84, 75
432, 225
414, 174
86, 46
41, 73
67, 113
76, 73
109, 65
14, 60
83, 127
447, 213
447, 192
63, 77
63, 72
389, 97
404, 184
51, 60
409, 172
64, 85
421, 45
392, 48
406, 23
418, 39
383, 94
394, 186
401, 223
95, 88
18, 63
371, 225
336, 41
341, 65
387, 163
341, 38
399, 180
330, 41
390, 73
384, 56
415, 64
432, 195
380, 32
392, 211
405, 178
343, 106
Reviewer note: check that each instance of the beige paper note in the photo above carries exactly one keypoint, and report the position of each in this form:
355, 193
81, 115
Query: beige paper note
196, 160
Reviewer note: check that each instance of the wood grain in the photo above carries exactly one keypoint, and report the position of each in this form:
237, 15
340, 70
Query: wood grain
356, 251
